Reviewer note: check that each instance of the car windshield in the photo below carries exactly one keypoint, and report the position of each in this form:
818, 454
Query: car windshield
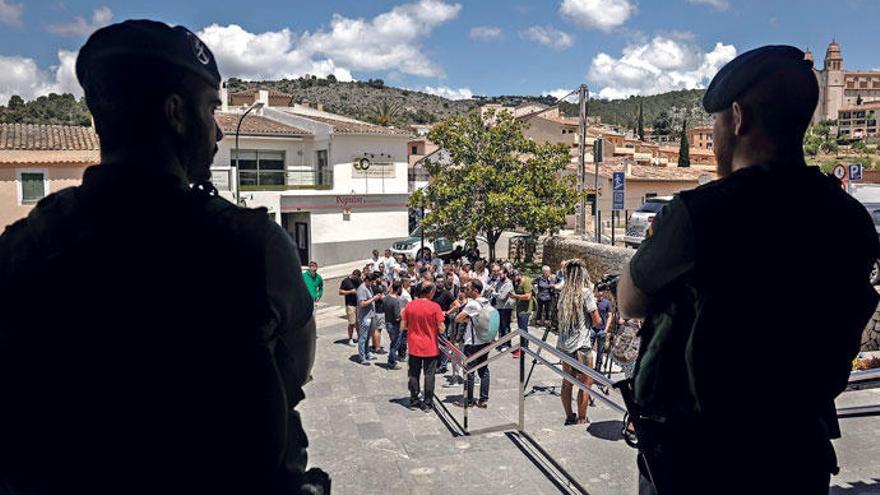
875, 214
651, 207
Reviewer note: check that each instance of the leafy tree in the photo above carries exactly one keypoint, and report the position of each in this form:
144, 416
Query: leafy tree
858, 100
49, 109
684, 149
385, 113
15, 102
331, 78
662, 124
497, 180
641, 130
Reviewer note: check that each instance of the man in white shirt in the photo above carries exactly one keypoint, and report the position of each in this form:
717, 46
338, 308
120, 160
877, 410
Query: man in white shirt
473, 344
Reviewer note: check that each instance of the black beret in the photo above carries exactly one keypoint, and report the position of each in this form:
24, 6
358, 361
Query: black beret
746, 70
144, 39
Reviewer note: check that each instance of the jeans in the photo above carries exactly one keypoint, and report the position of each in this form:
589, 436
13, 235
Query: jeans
417, 365
522, 323
599, 336
544, 308
395, 335
365, 326
470, 350
401, 349
504, 324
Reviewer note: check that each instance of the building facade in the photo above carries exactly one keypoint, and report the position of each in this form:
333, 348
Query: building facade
339, 186
701, 137
859, 122
840, 88
37, 160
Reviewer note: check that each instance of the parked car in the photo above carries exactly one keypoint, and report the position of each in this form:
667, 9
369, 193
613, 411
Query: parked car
641, 219
410, 246
869, 196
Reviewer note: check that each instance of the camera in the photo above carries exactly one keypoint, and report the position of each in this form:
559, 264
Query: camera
608, 283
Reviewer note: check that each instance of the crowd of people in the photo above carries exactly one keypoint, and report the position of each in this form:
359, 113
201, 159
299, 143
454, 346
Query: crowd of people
417, 301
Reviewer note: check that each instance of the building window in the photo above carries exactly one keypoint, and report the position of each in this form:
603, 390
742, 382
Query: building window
32, 185
709, 145
415, 150
709, 136
325, 175
260, 167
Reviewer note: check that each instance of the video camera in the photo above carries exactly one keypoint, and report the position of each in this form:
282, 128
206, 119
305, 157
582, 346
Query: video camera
608, 283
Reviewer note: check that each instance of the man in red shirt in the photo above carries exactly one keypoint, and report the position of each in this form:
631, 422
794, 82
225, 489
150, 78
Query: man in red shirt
423, 321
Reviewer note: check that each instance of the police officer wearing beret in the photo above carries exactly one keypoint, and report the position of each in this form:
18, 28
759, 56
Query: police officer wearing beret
155, 337
712, 412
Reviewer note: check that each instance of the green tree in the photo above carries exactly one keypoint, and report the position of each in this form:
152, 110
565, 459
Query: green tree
684, 149
331, 78
385, 113
15, 102
641, 130
662, 124
496, 180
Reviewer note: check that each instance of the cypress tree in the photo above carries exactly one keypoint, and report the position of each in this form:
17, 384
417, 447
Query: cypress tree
641, 129
684, 157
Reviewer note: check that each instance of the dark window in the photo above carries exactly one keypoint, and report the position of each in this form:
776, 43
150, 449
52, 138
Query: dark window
325, 176
260, 168
33, 187
415, 150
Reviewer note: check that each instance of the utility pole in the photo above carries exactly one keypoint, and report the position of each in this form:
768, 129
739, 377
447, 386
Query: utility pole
581, 221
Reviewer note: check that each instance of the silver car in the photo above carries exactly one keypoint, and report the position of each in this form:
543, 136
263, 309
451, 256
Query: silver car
641, 219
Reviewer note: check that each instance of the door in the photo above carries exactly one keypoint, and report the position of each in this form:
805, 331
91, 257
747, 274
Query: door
301, 239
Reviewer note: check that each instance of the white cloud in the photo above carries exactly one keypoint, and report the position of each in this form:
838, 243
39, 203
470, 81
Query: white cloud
449, 93
663, 64
389, 41
21, 76
716, 4
485, 33
604, 15
548, 36
269, 55
80, 27
556, 93
10, 13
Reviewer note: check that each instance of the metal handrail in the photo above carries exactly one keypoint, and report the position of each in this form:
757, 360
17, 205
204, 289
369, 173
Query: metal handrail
595, 375
577, 383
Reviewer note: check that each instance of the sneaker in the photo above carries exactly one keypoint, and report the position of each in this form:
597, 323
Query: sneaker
461, 403
380, 350
570, 419
426, 407
365, 362
414, 404
371, 357
393, 367
482, 404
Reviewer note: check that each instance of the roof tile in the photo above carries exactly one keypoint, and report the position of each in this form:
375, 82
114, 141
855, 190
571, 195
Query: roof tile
256, 125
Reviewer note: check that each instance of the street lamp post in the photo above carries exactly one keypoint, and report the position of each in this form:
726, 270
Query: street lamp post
255, 106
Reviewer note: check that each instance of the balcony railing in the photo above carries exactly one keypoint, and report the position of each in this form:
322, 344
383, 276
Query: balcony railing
274, 180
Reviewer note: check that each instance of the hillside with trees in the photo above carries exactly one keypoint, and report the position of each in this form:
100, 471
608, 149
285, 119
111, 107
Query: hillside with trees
49, 109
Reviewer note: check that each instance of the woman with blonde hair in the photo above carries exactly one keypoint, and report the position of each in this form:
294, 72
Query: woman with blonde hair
577, 314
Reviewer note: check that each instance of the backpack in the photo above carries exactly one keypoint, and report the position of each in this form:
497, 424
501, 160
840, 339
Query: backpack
485, 324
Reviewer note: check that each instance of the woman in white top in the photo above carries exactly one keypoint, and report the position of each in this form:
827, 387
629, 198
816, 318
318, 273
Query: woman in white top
577, 314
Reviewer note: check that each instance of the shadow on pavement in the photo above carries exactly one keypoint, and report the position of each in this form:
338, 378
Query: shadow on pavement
606, 430
858, 488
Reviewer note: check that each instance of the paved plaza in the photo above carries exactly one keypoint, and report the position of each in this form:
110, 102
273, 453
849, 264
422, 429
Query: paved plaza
362, 433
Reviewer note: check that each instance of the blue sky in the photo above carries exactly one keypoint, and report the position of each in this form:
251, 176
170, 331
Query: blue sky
455, 48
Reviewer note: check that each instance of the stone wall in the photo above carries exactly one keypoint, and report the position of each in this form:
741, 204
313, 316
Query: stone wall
602, 259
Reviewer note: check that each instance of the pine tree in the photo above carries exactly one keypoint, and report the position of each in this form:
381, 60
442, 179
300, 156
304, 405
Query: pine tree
641, 130
684, 157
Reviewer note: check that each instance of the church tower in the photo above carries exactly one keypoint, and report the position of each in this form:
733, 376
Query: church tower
834, 81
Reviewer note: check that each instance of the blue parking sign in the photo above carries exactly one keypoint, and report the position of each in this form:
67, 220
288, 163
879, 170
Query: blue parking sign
855, 171
618, 188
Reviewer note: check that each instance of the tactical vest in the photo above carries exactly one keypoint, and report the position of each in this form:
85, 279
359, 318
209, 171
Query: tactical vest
138, 355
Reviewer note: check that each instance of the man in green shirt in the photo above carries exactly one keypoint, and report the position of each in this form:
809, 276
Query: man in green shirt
314, 282
522, 293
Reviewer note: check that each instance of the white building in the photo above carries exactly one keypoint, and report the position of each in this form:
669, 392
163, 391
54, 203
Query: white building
339, 186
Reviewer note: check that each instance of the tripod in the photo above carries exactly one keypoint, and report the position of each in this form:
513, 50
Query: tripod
549, 389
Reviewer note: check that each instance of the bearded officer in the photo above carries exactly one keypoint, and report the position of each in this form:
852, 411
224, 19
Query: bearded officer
708, 420
156, 337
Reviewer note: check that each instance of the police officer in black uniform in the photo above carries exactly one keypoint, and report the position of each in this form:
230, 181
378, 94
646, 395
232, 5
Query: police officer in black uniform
155, 338
747, 259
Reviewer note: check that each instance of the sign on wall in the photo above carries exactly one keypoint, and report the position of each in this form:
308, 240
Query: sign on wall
372, 166
220, 178
344, 202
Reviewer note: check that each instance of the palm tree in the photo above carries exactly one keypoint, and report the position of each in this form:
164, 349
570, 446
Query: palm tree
385, 113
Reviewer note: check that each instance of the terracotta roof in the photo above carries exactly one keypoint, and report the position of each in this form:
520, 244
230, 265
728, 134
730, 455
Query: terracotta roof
255, 125
346, 127
33, 137
48, 144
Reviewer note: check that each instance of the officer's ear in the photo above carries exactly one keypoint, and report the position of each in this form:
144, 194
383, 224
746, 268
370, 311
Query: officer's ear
175, 113
741, 118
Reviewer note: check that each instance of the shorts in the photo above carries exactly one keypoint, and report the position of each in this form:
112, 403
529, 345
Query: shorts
379, 322
351, 314
583, 351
